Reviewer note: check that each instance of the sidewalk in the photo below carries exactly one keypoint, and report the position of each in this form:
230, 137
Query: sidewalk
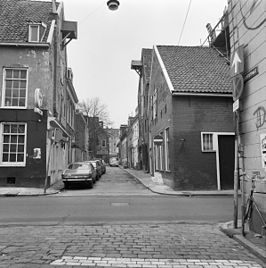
30, 191
156, 185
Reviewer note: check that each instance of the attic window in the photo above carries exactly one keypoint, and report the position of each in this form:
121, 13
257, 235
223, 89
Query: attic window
36, 32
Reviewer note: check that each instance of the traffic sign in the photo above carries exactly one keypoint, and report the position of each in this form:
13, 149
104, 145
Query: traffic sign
236, 105
238, 85
237, 61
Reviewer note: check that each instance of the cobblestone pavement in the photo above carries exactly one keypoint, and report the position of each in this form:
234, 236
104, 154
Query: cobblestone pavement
157, 245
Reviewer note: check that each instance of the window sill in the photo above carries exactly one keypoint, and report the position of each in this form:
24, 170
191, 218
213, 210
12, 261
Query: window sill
12, 165
13, 107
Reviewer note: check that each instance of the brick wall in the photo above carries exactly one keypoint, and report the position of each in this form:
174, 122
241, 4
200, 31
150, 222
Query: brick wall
191, 168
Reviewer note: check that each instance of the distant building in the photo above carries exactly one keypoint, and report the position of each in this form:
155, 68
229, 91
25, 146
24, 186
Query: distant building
132, 141
113, 136
80, 144
123, 146
143, 67
37, 95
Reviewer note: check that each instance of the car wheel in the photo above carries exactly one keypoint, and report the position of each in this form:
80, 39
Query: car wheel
90, 184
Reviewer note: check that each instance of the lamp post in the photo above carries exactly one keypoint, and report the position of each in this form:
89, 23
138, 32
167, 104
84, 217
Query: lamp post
113, 4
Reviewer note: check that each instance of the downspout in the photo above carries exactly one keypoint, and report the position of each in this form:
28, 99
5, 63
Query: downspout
55, 74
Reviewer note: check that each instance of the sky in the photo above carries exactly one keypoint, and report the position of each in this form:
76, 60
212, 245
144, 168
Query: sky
109, 40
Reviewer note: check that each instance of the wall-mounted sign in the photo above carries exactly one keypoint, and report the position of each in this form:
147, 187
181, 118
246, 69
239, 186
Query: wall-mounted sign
158, 139
250, 74
36, 153
263, 149
38, 98
237, 61
236, 105
238, 85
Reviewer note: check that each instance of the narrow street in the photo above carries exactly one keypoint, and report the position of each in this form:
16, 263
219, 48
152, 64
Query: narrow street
118, 223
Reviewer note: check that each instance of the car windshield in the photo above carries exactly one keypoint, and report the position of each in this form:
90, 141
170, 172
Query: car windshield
94, 164
78, 166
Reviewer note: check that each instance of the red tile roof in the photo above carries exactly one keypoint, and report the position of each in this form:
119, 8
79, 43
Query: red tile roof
15, 16
196, 69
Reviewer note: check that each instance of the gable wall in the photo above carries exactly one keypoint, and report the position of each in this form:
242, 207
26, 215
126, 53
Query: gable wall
193, 169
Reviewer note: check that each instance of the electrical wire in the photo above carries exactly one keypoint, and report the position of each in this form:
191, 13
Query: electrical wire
92, 13
184, 21
244, 20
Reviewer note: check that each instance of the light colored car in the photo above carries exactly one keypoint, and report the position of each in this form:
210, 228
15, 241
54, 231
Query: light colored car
113, 162
79, 172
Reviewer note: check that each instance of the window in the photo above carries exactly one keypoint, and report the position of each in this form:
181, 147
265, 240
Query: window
207, 142
15, 87
103, 143
13, 140
166, 146
34, 33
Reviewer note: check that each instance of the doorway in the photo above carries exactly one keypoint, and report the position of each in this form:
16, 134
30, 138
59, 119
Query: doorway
226, 161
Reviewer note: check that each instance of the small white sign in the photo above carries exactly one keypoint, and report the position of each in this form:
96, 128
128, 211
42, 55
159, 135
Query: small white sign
236, 105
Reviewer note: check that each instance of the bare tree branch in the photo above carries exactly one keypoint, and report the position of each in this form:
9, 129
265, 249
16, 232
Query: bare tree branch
94, 108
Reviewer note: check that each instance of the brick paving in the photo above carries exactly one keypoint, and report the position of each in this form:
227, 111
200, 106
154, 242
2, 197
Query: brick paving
154, 245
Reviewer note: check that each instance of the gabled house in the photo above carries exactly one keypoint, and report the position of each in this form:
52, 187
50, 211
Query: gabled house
142, 68
191, 126
37, 95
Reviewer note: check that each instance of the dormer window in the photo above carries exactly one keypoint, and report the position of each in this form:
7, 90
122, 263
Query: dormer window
36, 32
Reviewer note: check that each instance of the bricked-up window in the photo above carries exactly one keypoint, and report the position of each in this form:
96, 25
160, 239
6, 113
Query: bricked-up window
13, 144
15, 88
207, 142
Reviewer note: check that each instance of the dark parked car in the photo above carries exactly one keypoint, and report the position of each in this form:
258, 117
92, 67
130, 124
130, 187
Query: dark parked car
103, 165
96, 164
79, 172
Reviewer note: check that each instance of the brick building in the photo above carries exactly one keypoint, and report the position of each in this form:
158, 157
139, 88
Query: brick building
37, 95
143, 67
191, 127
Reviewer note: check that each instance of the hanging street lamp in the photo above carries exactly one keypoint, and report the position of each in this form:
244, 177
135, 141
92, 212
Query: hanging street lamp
113, 4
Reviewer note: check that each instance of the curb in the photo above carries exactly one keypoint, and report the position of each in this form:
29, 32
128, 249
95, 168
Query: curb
26, 195
234, 234
181, 193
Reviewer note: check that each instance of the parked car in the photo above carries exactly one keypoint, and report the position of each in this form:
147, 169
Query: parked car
103, 165
113, 162
96, 164
79, 172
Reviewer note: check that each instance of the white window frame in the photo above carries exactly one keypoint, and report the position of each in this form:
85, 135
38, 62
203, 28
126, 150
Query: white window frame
166, 149
4, 88
39, 36
31, 26
213, 141
19, 164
